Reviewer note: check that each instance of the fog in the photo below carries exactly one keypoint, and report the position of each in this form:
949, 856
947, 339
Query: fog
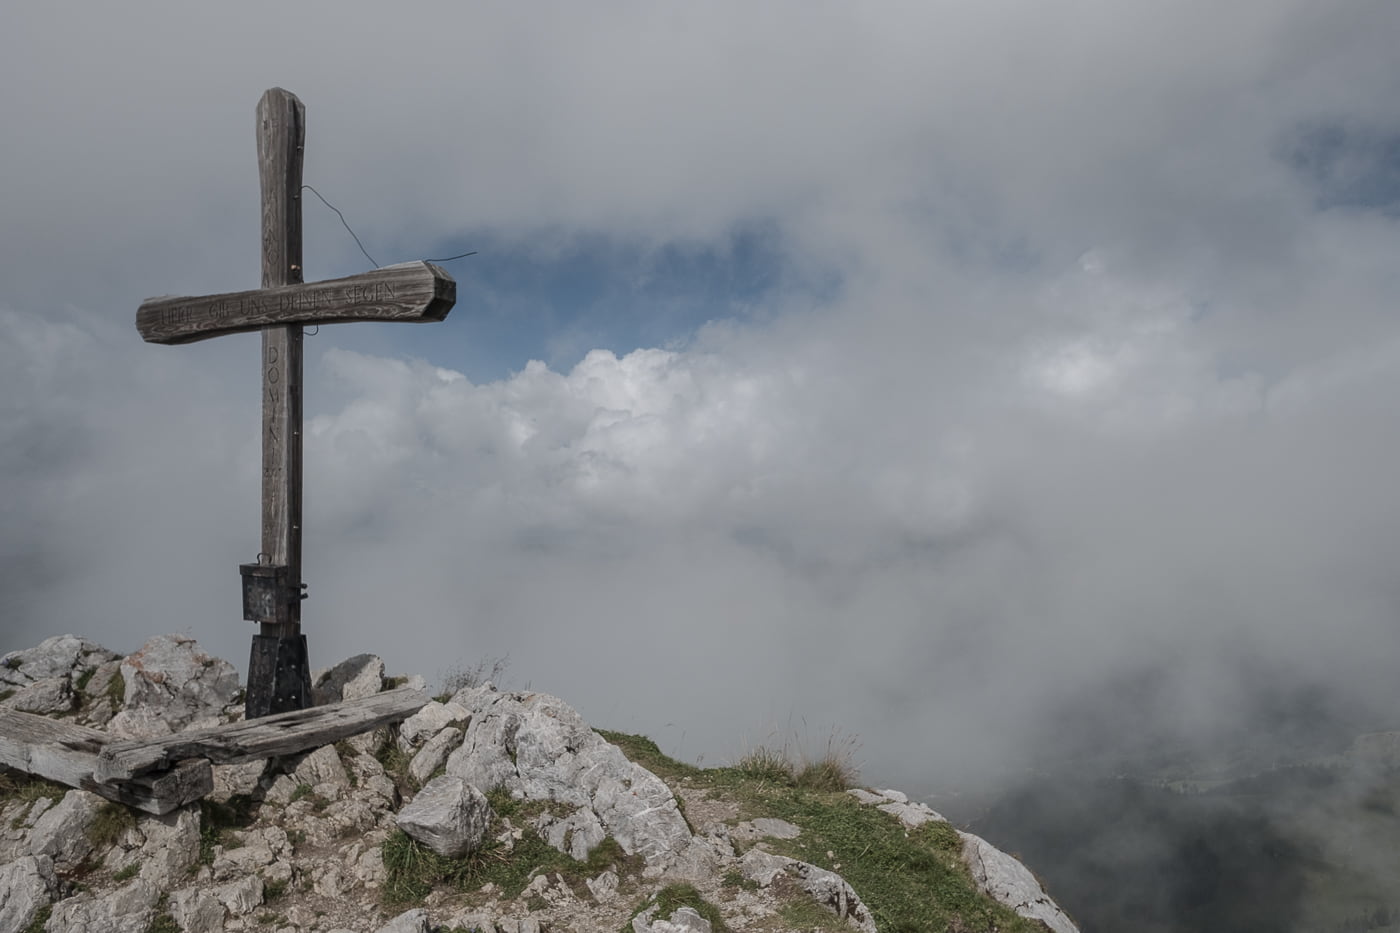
1075, 368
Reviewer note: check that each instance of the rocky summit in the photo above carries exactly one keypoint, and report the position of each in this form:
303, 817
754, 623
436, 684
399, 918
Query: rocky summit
484, 810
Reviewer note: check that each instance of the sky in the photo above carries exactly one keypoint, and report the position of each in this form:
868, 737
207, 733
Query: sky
958, 384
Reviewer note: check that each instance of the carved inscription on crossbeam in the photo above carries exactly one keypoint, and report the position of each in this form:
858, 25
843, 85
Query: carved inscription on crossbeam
410, 291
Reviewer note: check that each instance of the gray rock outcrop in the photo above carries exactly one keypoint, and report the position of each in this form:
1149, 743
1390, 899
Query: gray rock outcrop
1008, 881
319, 842
171, 684
448, 815
538, 748
27, 885
826, 887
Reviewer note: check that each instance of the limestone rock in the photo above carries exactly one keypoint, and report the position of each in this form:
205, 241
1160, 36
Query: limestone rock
62, 832
322, 855
26, 887
50, 695
59, 656
684, 920
240, 897
128, 909
352, 679
539, 748
171, 846
232, 780
321, 766
577, 834
428, 721
171, 683
826, 887
448, 815
410, 921
433, 754
1004, 878
197, 911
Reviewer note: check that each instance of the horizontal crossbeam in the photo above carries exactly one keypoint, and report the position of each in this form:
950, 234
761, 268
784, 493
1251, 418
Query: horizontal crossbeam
410, 291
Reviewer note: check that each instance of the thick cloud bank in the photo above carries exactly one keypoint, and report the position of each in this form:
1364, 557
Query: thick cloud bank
1061, 414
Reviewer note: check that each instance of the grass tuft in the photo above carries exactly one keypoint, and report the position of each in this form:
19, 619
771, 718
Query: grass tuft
116, 690
162, 922
767, 765
41, 919
413, 869
395, 762
461, 678
111, 821
646, 753
675, 896
25, 788
84, 678
910, 880
215, 819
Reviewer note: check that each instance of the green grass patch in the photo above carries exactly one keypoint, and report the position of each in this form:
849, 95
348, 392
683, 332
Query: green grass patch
25, 788
272, 890
127, 873
116, 690
395, 763
413, 869
767, 765
162, 922
84, 678
215, 819
675, 896
107, 826
646, 753
803, 913
41, 917
302, 790
910, 880
733, 879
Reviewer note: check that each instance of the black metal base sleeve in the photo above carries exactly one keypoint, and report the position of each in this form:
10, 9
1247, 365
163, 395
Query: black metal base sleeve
279, 678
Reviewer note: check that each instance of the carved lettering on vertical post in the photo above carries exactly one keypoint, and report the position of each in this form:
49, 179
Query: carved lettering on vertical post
281, 135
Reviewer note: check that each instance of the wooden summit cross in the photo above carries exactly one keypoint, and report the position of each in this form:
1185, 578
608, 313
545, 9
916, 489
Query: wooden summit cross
279, 677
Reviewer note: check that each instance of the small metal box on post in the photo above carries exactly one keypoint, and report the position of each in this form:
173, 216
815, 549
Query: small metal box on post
279, 676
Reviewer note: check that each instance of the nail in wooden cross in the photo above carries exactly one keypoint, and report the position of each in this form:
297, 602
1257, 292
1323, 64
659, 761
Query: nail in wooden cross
278, 673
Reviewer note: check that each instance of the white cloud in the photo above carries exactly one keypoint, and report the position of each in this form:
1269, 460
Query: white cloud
1096, 383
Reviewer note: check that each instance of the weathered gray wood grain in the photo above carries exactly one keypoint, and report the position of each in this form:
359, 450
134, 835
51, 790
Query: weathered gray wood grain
68, 753
160, 793
268, 737
281, 139
408, 292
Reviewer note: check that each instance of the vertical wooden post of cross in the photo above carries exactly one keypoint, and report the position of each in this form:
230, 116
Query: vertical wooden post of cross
279, 676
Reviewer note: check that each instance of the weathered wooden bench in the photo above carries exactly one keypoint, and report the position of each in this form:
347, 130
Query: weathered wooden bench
157, 775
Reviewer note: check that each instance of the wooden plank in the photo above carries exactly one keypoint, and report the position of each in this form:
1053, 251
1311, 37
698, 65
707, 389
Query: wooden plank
51, 748
68, 753
281, 141
410, 291
268, 737
160, 793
